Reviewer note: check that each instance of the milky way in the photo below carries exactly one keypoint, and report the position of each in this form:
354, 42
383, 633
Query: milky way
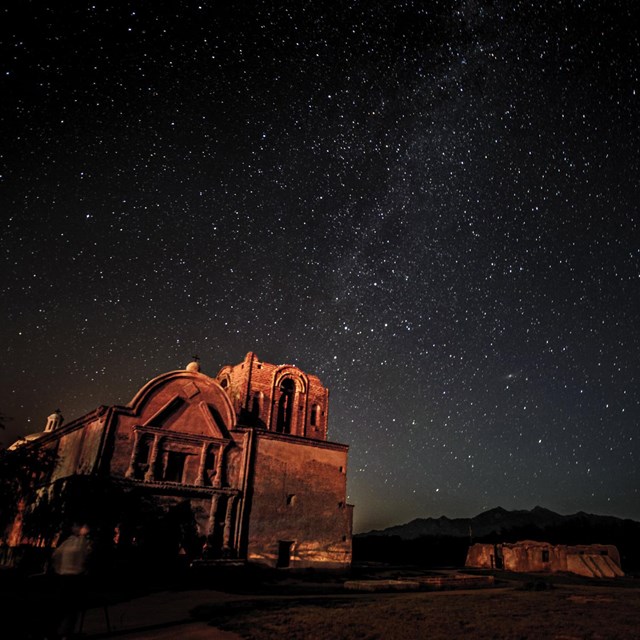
432, 206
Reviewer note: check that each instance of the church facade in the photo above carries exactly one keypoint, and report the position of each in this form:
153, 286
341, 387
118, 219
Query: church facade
246, 451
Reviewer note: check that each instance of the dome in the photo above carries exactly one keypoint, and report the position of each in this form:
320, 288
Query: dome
193, 366
31, 437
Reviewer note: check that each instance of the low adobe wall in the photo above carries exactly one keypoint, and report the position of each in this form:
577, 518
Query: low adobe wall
595, 560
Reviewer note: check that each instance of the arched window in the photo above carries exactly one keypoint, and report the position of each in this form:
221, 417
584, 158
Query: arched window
285, 405
315, 415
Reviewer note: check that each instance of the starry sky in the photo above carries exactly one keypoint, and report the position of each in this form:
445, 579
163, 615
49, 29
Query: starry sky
433, 206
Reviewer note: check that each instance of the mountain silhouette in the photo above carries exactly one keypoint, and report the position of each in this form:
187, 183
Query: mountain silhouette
497, 521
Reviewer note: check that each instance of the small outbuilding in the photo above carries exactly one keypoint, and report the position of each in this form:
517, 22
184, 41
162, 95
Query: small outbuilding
592, 561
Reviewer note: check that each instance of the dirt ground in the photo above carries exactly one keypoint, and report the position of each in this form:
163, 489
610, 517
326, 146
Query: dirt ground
563, 612
316, 606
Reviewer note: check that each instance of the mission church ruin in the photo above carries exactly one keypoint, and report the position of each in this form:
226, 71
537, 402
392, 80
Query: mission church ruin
246, 451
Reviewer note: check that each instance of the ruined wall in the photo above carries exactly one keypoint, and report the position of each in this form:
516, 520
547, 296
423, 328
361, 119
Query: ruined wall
532, 556
233, 379
481, 556
91, 443
69, 449
78, 446
299, 498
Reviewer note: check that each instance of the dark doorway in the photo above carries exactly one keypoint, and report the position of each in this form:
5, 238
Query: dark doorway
284, 554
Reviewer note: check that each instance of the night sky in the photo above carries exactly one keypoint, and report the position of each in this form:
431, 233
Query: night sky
433, 206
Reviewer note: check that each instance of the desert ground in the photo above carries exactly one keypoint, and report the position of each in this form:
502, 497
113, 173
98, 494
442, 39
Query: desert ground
518, 608
264, 606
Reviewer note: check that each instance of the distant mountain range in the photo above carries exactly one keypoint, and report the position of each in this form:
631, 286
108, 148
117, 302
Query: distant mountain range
500, 521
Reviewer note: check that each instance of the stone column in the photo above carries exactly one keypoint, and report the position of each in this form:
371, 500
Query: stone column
217, 481
227, 522
200, 480
212, 514
153, 459
134, 455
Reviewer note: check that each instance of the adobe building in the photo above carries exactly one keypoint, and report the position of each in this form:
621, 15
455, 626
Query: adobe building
246, 451
592, 561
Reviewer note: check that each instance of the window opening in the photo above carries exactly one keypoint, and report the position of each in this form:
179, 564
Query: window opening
285, 405
174, 466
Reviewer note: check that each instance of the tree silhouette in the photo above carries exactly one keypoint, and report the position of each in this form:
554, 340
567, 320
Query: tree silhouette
22, 471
